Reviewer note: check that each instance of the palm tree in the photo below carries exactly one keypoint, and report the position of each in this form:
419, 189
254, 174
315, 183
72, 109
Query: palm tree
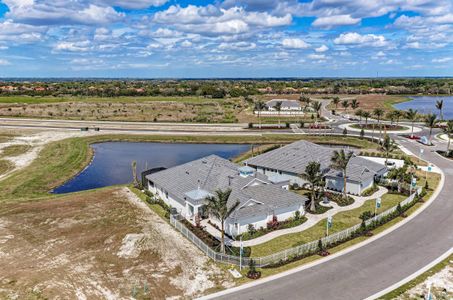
449, 131
336, 101
217, 206
314, 176
366, 115
378, 113
306, 100
259, 106
316, 105
278, 108
388, 145
398, 114
439, 106
339, 161
355, 104
391, 115
430, 121
411, 115
359, 113
345, 104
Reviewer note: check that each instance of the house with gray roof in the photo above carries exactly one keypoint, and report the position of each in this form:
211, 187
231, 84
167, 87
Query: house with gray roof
361, 174
286, 105
289, 162
185, 188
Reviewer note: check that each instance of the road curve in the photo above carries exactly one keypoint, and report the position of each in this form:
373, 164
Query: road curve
367, 270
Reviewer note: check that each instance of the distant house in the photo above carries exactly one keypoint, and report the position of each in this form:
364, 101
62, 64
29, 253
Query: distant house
289, 162
185, 187
287, 105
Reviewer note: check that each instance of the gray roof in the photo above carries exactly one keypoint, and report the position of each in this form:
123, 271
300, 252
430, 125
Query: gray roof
204, 176
293, 158
285, 103
359, 169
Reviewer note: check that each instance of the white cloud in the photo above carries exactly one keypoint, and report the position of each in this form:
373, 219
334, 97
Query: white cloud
294, 43
331, 21
354, 38
239, 46
4, 62
81, 46
316, 56
442, 60
186, 44
21, 33
322, 48
211, 20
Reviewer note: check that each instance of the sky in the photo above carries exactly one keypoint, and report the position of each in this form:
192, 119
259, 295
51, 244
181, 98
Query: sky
226, 38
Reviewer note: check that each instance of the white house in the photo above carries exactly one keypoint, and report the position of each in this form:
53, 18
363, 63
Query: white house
286, 105
185, 187
289, 162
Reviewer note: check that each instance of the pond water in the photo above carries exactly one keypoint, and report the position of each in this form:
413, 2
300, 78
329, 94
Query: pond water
427, 104
112, 161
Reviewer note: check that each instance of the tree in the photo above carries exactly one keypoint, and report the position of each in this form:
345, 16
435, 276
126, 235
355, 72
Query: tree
411, 115
355, 104
391, 115
317, 107
306, 100
388, 145
366, 115
278, 108
378, 113
439, 106
345, 104
217, 206
259, 106
449, 131
314, 176
430, 121
359, 113
134, 173
397, 114
336, 101
339, 161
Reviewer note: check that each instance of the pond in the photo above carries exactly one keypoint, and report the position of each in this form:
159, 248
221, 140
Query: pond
112, 161
427, 104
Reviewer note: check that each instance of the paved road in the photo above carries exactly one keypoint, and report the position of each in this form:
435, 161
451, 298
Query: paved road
379, 264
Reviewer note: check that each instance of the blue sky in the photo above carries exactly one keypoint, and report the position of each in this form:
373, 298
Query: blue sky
225, 38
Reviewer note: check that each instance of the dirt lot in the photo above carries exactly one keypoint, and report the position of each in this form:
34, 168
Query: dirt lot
105, 244
162, 111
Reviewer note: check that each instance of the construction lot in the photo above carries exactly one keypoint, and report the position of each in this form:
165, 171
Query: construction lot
102, 244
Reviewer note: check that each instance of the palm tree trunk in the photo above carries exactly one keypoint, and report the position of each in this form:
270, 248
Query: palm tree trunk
312, 204
412, 131
430, 133
222, 239
344, 184
259, 117
448, 144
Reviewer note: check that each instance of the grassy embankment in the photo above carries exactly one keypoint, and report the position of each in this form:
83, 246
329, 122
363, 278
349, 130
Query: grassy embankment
419, 279
59, 161
125, 99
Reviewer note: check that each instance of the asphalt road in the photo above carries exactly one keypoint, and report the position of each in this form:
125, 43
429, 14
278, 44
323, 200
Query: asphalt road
374, 267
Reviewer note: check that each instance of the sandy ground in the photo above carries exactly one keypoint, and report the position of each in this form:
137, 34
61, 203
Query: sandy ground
99, 245
36, 141
441, 286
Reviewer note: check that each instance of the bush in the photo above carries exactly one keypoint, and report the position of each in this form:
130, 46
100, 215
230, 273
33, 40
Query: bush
370, 191
339, 199
366, 215
345, 131
253, 273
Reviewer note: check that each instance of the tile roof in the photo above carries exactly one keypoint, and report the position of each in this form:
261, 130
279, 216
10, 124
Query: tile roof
359, 169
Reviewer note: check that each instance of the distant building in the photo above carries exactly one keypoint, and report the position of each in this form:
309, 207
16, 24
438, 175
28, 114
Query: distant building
287, 105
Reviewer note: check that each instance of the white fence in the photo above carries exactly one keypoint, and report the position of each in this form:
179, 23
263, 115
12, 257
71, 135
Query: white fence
298, 251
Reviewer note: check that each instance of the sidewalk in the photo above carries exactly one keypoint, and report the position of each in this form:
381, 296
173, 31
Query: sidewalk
312, 219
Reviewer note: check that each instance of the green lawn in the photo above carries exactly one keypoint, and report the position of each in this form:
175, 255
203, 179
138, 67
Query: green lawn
341, 221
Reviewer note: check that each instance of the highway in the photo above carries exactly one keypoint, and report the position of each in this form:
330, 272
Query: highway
365, 271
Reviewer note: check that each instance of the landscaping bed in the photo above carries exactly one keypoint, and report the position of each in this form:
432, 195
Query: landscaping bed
339, 199
253, 233
388, 127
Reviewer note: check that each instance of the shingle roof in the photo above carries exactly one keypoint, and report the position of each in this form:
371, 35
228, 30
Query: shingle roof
211, 173
359, 169
293, 158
